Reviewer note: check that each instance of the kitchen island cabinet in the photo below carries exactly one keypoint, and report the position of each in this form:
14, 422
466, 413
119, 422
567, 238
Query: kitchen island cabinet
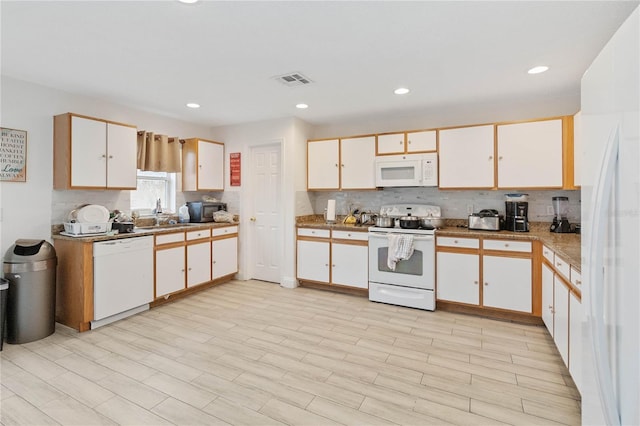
202, 165
91, 153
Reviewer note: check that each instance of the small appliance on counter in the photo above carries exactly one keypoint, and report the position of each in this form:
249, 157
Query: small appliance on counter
122, 227
202, 211
517, 213
560, 222
486, 220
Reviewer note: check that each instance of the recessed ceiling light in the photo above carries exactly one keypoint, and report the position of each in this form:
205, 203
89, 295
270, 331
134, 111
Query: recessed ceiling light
538, 69
188, 1
302, 106
401, 91
193, 105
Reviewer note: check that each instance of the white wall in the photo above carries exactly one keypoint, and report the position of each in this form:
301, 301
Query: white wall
291, 134
30, 208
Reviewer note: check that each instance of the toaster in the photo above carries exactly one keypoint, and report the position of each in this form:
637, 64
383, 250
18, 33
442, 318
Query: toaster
486, 220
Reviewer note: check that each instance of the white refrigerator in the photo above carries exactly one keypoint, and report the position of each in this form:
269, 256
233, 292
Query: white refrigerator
611, 231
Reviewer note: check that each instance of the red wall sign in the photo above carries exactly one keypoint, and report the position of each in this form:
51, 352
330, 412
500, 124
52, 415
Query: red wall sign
234, 161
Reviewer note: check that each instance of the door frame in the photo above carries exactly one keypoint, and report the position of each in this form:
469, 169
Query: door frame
248, 200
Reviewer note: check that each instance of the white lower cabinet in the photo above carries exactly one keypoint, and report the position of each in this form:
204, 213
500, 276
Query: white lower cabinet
198, 263
575, 339
561, 318
547, 297
170, 270
458, 277
313, 261
349, 265
225, 257
507, 283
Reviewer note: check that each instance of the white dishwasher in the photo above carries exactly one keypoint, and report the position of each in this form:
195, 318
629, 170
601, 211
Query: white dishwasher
122, 278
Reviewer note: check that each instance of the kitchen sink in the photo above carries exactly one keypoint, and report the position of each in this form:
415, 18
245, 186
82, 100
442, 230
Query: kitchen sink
152, 228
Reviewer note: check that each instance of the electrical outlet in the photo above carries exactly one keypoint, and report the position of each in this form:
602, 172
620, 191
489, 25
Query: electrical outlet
469, 208
550, 211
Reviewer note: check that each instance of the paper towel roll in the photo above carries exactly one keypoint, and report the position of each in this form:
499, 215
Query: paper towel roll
331, 210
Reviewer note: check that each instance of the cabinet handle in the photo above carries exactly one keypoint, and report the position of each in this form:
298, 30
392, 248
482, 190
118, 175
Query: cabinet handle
111, 156
182, 270
500, 158
455, 241
342, 165
333, 266
409, 141
336, 164
348, 235
506, 245
189, 268
475, 282
400, 142
200, 165
490, 157
551, 308
486, 283
578, 282
558, 264
326, 264
104, 155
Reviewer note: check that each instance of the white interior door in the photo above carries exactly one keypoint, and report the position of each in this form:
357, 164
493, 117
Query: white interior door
267, 234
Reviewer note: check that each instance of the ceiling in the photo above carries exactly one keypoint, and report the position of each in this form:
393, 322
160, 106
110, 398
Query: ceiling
159, 55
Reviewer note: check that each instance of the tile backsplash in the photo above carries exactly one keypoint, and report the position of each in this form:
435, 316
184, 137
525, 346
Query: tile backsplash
454, 204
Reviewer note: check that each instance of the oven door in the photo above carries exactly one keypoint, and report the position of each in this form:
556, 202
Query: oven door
418, 271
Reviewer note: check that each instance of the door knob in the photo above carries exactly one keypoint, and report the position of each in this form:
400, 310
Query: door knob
253, 219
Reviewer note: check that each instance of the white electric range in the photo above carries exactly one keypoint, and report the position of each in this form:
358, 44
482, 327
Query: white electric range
412, 282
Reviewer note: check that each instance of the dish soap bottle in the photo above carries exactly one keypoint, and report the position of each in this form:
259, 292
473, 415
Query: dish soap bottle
183, 214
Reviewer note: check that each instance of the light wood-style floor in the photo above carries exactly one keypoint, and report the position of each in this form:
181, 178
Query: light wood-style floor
257, 354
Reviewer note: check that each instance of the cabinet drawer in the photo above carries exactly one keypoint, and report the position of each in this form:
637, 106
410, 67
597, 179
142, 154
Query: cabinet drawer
562, 267
224, 231
348, 235
200, 233
458, 242
507, 245
548, 254
309, 232
576, 278
170, 238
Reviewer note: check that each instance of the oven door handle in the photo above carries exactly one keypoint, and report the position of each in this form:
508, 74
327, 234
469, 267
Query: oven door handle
384, 235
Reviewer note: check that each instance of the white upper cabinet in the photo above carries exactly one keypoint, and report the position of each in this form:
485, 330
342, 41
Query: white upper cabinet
467, 157
357, 166
391, 144
202, 165
341, 164
530, 154
323, 164
90, 153
122, 150
421, 141
407, 143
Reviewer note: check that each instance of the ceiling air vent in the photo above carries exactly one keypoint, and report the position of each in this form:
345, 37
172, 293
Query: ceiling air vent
293, 79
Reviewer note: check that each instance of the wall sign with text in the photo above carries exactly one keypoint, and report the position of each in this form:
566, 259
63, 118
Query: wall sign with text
234, 168
13, 155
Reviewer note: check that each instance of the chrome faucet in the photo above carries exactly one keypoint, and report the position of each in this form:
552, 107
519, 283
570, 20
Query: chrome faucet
158, 211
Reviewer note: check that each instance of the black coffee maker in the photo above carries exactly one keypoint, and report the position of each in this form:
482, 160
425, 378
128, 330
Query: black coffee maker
517, 213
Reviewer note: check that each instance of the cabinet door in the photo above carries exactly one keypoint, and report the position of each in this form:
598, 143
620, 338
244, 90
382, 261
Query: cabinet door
121, 153
198, 263
350, 265
170, 271
313, 261
561, 318
506, 283
225, 257
458, 277
357, 167
421, 141
323, 160
547, 297
210, 166
391, 144
530, 155
466, 157
575, 339
88, 152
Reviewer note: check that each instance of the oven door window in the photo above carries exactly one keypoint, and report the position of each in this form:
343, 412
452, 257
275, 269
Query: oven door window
411, 266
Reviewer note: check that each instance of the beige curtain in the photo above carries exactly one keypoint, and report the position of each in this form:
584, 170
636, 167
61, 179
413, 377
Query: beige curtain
158, 153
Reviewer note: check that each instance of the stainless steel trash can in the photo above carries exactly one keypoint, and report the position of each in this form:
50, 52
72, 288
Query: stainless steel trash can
4, 290
30, 268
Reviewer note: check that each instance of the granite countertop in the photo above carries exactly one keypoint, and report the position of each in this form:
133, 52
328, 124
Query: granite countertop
143, 231
566, 246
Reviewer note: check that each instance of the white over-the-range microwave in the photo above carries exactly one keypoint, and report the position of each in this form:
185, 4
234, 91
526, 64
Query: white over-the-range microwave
407, 170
